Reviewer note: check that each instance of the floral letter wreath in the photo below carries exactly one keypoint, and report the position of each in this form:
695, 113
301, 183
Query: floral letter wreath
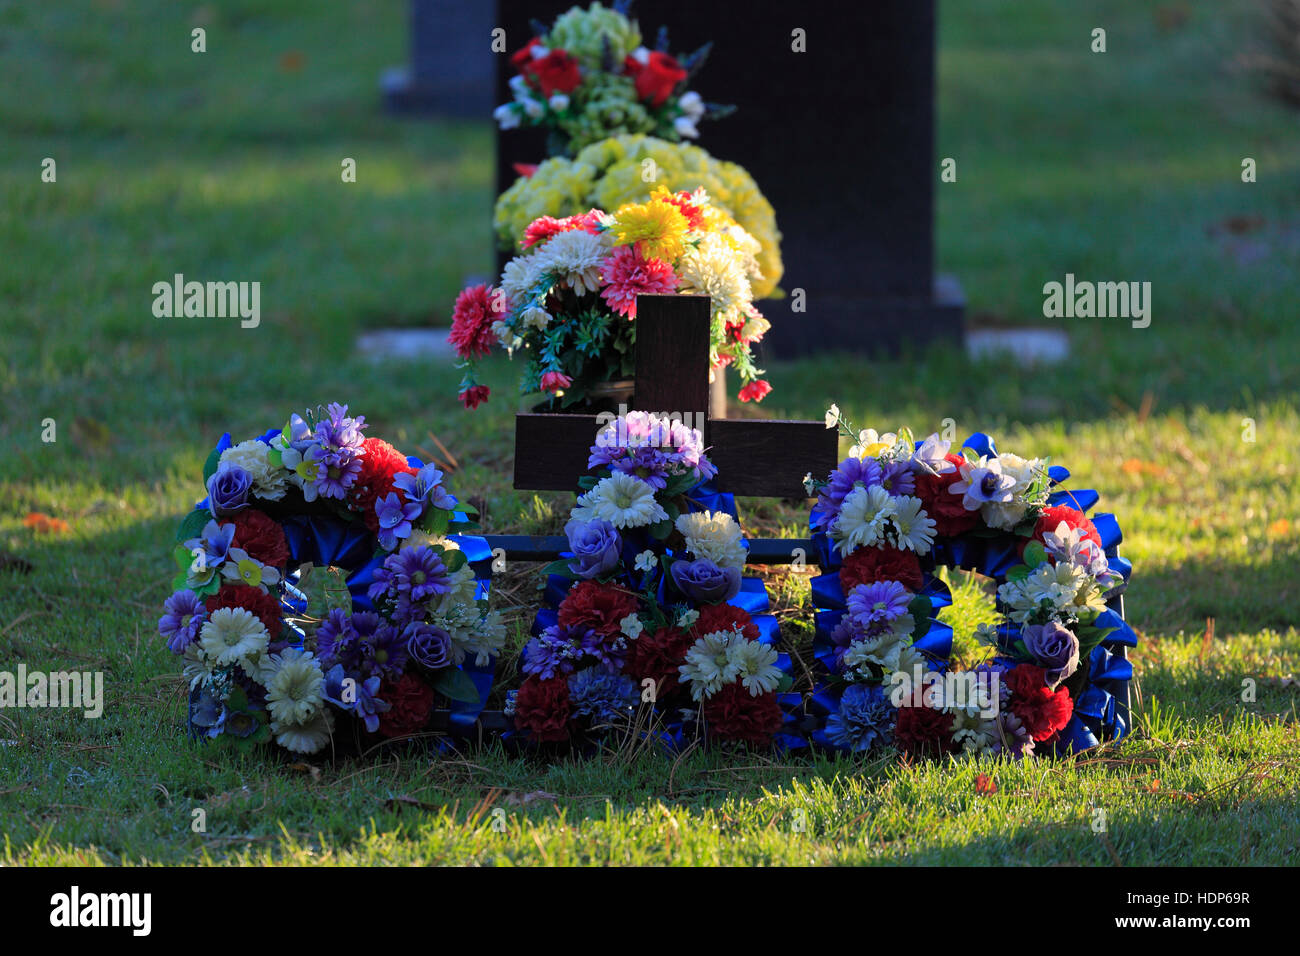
413, 624
885, 519
651, 606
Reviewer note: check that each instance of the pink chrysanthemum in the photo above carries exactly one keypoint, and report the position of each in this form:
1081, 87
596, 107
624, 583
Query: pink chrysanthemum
628, 274
471, 322
541, 229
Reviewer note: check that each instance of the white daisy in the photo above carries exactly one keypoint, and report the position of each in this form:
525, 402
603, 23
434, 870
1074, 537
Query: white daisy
623, 501
232, 635
710, 664
913, 528
304, 737
755, 665
295, 690
863, 518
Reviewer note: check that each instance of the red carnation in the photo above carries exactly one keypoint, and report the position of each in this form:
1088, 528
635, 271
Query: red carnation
656, 78
724, 617
869, 565
410, 701
735, 714
950, 516
924, 732
755, 391
261, 536
471, 322
1073, 517
379, 466
542, 708
599, 607
265, 607
658, 656
1043, 711
557, 72
474, 396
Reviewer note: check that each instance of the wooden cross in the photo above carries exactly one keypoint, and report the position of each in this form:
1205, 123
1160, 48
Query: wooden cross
761, 458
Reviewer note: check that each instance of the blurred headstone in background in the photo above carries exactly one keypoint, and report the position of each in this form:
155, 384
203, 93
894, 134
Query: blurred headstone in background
840, 138
451, 68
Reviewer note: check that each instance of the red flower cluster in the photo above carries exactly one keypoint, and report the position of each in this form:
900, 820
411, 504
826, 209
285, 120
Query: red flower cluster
557, 72
542, 228
655, 79
723, 617
520, 57
924, 732
1043, 711
657, 656
599, 607
410, 701
555, 382
474, 396
265, 607
261, 536
755, 391
471, 322
869, 565
380, 464
950, 516
1076, 519
735, 714
542, 708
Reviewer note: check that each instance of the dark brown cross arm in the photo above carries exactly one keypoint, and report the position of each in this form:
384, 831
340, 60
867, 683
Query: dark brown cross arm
758, 457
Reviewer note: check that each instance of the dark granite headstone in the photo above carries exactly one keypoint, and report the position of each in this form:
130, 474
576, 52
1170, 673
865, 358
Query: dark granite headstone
451, 68
840, 138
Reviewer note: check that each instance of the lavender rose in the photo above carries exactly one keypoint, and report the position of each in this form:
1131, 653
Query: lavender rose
228, 490
428, 646
1053, 648
704, 582
596, 546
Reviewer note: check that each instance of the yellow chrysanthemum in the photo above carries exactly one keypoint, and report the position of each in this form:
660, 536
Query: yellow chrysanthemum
658, 226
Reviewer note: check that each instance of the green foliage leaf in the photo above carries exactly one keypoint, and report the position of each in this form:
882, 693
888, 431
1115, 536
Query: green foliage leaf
561, 567
456, 684
455, 560
1018, 573
193, 524
660, 530
1035, 554
210, 466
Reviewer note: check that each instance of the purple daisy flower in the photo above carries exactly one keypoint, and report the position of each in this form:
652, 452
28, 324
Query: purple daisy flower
553, 651
871, 606
407, 579
897, 478
851, 473
183, 616
385, 652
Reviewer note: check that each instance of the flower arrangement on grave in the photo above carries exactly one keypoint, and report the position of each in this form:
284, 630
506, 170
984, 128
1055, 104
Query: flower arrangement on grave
588, 76
404, 626
568, 301
896, 510
651, 626
628, 169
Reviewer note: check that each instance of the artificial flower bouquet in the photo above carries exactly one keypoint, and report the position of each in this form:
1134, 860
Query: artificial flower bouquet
652, 628
893, 512
588, 77
626, 169
569, 299
405, 624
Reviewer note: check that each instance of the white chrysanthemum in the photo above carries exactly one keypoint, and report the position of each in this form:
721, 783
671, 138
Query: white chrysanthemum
535, 317
863, 519
755, 665
575, 258
197, 668
623, 501
710, 664
519, 277
1005, 515
913, 528
304, 737
714, 535
1048, 592
885, 650
717, 270
295, 690
269, 481
232, 635
422, 539
974, 734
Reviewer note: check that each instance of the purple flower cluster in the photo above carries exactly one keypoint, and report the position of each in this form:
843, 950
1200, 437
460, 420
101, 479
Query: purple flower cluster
864, 721
183, 616
408, 580
364, 643
337, 451
361, 697
651, 448
558, 649
873, 607
896, 477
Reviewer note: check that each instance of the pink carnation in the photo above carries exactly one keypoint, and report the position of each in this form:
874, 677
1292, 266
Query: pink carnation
471, 322
541, 229
628, 274
555, 382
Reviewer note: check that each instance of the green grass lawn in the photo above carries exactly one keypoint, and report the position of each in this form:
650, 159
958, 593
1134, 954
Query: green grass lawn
1123, 165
